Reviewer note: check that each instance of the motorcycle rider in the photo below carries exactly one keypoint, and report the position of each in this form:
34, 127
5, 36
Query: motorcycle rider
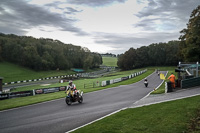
71, 87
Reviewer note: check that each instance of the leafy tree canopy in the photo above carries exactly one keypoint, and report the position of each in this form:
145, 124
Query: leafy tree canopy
190, 40
45, 54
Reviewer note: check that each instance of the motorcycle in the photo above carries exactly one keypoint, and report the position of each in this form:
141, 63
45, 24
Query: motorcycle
74, 96
146, 83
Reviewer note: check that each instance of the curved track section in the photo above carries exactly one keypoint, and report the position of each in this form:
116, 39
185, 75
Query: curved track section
55, 116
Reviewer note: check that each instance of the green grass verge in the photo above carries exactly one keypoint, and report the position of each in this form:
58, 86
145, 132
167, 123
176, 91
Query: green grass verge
110, 61
11, 72
168, 117
18, 102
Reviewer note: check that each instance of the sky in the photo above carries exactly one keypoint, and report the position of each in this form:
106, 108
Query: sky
103, 26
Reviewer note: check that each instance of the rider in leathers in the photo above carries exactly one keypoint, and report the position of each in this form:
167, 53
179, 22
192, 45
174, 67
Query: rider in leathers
71, 87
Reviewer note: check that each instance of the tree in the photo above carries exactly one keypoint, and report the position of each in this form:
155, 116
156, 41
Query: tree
88, 62
127, 60
45, 54
190, 40
142, 57
161, 54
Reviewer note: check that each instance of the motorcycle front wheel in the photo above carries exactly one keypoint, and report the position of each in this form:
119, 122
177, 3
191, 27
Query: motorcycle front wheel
80, 100
67, 100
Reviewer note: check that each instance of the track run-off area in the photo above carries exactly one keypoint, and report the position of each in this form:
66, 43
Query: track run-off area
57, 117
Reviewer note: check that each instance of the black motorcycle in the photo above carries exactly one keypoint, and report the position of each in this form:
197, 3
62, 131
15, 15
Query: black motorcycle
74, 96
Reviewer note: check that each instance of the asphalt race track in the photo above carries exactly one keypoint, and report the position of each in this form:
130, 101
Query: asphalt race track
56, 117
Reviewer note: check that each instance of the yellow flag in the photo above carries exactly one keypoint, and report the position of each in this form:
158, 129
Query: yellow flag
162, 76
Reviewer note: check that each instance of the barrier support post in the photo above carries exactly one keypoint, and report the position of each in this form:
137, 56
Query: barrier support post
1, 83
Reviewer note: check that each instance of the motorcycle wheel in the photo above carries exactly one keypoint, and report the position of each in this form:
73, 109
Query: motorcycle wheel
80, 99
67, 100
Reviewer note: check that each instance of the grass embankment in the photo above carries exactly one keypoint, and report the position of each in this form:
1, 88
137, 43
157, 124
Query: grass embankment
18, 102
110, 61
11, 72
169, 117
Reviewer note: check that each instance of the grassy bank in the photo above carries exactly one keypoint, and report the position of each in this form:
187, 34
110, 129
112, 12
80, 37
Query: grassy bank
11, 72
169, 117
110, 61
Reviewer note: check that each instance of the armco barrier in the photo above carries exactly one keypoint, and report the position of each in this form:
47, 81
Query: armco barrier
21, 94
50, 90
112, 81
117, 80
33, 80
103, 83
16, 94
125, 78
108, 82
4, 96
31, 93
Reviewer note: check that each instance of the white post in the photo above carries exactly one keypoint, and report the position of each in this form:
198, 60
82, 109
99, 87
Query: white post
165, 87
33, 92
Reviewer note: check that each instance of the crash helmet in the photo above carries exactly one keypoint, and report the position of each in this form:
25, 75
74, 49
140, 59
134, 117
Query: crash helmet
70, 82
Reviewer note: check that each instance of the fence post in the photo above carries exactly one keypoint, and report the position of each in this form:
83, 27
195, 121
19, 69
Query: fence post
33, 92
1, 83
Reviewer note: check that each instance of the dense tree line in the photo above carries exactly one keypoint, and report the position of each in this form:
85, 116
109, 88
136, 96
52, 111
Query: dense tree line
45, 54
161, 54
190, 40
166, 54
